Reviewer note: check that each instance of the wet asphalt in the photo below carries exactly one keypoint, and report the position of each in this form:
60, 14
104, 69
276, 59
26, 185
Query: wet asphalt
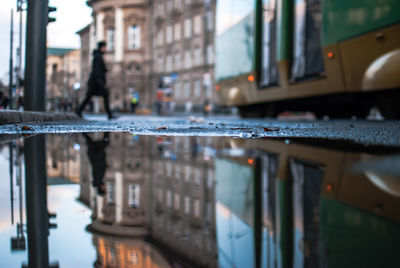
361, 132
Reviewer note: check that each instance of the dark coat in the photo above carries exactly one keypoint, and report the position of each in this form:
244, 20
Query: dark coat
97, 157
97, 79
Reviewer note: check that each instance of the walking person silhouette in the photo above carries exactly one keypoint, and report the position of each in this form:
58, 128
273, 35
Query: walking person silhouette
97, 81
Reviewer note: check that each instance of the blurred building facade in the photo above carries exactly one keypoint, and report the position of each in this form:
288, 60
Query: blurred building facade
118, 252
63, 72
148, 41
183, 45
183, 194
156, 191
124, 25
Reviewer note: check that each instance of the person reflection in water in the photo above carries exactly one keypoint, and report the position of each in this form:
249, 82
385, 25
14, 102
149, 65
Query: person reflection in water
97, 157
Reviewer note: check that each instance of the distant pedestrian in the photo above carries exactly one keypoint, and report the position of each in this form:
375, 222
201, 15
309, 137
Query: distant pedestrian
134, 102
4, 102
159, 102
97, 81
97, 156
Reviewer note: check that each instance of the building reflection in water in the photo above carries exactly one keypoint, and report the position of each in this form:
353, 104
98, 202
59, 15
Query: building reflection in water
208, 202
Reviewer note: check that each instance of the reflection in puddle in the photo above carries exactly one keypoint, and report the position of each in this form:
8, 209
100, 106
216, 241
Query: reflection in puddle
143, 201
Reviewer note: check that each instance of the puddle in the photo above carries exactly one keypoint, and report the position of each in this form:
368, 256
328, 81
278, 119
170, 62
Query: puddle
123, 200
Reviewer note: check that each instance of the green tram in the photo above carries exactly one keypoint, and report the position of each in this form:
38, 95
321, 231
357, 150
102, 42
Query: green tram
333, 57
294, 205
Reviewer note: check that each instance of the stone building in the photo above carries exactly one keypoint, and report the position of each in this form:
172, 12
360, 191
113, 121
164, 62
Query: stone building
183, 190
124, 25
183, 45
123, 253
161, 191
63, 71
126, 182
149, 40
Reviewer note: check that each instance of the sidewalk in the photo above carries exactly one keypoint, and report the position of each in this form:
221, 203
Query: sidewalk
17, 117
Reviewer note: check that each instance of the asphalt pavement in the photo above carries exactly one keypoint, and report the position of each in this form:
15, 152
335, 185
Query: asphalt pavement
361, 132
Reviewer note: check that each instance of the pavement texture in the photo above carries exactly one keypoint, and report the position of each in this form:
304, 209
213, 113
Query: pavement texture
15, 117
360, 132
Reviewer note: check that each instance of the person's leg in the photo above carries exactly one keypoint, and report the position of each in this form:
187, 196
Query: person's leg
107, 105
84, 103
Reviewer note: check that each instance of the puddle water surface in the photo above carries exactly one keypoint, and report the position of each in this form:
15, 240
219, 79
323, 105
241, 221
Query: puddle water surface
120, 200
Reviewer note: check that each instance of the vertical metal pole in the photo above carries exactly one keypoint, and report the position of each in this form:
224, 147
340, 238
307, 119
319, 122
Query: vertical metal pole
36, 202
11, 59
11, 163
19, 182
19, 54
35, 65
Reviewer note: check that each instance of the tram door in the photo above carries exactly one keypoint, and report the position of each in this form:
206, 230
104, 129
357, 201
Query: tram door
307, 54
269, 72
269, 166
306, 185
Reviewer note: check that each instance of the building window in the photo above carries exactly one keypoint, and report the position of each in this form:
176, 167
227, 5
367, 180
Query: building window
168, 67
197, 88
177, 171
178, 90
160, 38
159, 195
198, 58
196, 208
210, 20
188, 28
177, 201
209, 212
210, 54
169, 169
160, 66
110, 39
197, 24
133, 258
110, 192
210, 178
188, 59
133, 195
188, 173
169, 5
134, 40
160, 9
187, 205
112, 255
178, 61
187, 89
177, 4
169, 199
197, 176
177, 34
169, 34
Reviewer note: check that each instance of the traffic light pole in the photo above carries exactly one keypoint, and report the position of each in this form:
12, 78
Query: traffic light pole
36, 202
10, 90
35, 65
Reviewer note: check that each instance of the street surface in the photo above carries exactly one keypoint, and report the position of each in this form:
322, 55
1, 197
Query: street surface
361, 132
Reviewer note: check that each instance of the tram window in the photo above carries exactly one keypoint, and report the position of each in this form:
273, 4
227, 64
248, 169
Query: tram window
307, 183
307, 61
269, 166
269, 69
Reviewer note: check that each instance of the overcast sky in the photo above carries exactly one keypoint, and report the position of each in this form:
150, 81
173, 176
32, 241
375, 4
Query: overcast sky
71, 15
